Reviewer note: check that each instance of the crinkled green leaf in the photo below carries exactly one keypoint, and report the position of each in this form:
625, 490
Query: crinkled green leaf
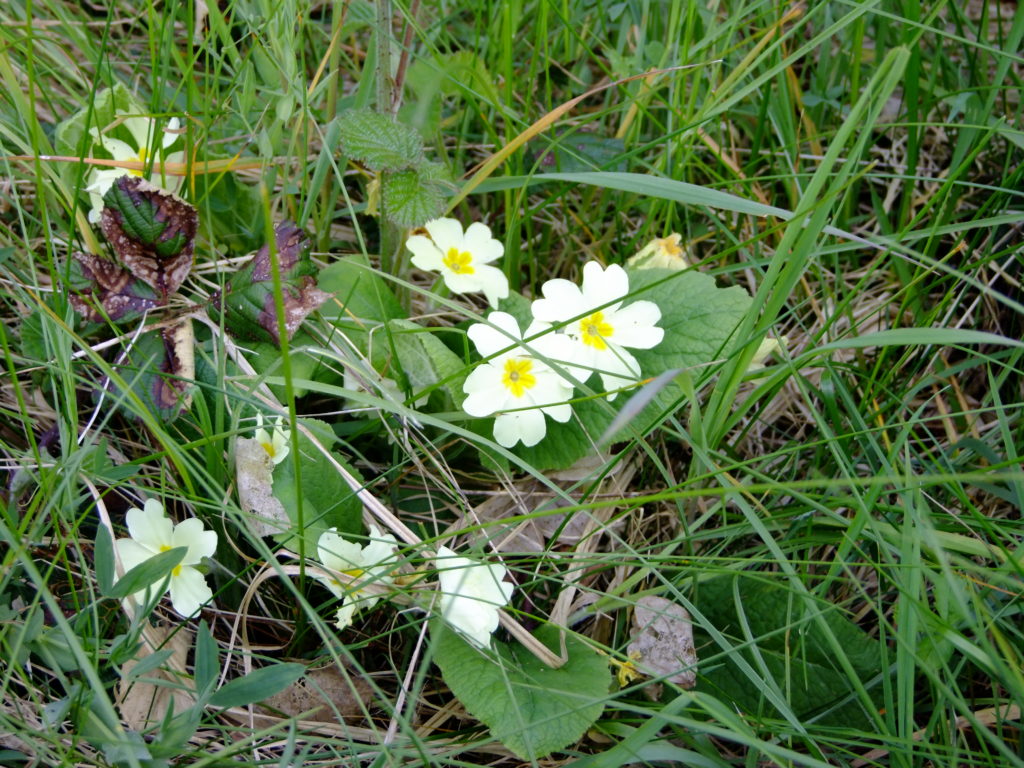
423, 359
412, 197
793, 647
378, 142
530, 707
258, 685
327, 500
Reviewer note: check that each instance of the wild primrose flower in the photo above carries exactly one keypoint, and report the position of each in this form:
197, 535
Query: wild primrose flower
277, 444
152, 533
142, 130
371, 564
463, 259
768, 347
660, 253
601, 327
471, 595
516, 380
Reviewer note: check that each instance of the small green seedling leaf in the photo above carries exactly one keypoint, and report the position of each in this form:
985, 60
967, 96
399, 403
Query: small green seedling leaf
258, 685
530, 707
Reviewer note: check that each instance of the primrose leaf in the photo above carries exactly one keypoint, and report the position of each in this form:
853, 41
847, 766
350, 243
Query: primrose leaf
378, 142
359, 291
258, 685
248, 303
790, 645
530, 707
151, 230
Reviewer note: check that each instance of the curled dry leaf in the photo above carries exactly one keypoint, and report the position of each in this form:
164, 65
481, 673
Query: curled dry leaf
254, 469
108, 292
662, 642
151, 230
320, 693
172, 389
146, 700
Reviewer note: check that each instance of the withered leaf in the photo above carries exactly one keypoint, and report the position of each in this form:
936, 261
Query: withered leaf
151, 230
159, 367
254, 470
662, 642
248, 304
106, 291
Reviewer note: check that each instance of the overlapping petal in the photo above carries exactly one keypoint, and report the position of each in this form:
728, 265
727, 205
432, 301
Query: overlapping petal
472, 593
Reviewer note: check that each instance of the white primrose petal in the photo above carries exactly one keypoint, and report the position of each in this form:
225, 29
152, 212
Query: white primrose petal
602, 286
141, 129
562, 301
149, 526
479, 242
170, 132
635, 325
560, 413
337, 553
132, 553
500, 332
446, 233
119, 150
526, 426
201, 543
189, 591
425, 254
458, 282
492, 282
482, 403
471, 595
343, 618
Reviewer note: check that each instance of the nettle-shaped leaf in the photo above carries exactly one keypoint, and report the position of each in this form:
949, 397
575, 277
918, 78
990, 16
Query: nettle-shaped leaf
249, 304
413, 190
152, 231
105, 291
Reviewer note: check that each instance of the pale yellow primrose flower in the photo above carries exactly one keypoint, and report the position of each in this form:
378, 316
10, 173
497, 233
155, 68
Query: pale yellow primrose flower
601, 327
152, 533
463, 259
471, 595
142, 130
766, 349
372, 564
661, 253
516, 379
277, 444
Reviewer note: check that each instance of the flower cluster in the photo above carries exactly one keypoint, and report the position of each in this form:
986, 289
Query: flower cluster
374, 563
153, 533
143, 131
576, 331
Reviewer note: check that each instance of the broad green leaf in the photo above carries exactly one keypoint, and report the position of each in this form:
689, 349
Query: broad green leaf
531, 708
412, 197
423, 359
357, 292
266, 360
147, 573
327, 500
160, 369
258, 685
378, 142
793, 647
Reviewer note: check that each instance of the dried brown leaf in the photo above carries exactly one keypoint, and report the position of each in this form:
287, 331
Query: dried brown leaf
662, 642
114, 292
254, 471
147, 700
322, 692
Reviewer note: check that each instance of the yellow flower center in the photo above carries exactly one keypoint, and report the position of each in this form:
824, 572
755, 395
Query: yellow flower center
143, 153
177, 568
268, 446
594, 330
459, 262
517, 377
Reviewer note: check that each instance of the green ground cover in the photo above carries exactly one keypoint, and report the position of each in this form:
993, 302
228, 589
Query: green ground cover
760, 264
